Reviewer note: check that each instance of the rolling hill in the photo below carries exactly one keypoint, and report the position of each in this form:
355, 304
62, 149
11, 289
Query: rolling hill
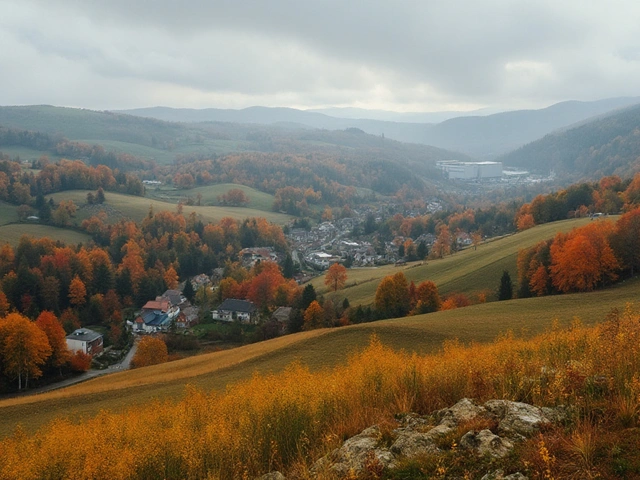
166, 141
469, 271
477, 136
129, 206
604, 146
319, 349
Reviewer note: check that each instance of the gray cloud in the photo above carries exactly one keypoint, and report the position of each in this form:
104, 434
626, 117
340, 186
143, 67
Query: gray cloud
422, 55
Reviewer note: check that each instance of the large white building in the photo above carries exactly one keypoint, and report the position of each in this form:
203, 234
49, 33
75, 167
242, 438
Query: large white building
455, 170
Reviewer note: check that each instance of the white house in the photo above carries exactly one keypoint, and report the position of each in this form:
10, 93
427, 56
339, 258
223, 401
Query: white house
232, 309
85, 341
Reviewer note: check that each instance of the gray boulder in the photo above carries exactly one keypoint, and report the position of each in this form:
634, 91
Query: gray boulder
486, 442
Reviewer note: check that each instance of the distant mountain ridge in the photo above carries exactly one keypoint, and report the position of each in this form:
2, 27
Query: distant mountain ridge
607, 145
485, 136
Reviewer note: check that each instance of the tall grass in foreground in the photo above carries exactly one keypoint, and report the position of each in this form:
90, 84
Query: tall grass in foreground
285, 421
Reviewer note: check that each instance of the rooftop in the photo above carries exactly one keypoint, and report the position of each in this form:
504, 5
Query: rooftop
84, 335
234, 305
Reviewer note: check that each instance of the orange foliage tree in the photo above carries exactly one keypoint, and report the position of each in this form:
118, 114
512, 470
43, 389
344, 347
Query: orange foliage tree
264, 285
80, 361
442, 245
77, 292
426, 299
336, 277
150, 351
314, 316
23, 348
171, 278
51, 326
625, 241
583, 258
235, 197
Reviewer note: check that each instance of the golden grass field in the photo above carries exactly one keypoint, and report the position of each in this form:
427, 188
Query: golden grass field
318, 349
137, 208
468, 271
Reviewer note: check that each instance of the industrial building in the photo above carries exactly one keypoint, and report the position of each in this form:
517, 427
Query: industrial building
455, 170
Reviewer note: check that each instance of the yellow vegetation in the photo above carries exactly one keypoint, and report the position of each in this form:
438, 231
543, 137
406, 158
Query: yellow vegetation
281, 422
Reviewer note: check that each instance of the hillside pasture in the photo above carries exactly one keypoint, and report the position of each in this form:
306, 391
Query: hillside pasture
8, 213
26, 153
13, 232
136, 208
318, 349
257, 200
468, 271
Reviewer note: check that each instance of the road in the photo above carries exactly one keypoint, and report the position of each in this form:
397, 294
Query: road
83, 377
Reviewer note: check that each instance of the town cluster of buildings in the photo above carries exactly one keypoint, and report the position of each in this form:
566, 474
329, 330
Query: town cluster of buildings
158, 315
335, 241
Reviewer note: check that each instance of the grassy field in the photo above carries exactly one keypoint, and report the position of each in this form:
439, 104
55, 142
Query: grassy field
257, 200
129, 206
8, 213
468, 271
26, 153
12, 233
318, 349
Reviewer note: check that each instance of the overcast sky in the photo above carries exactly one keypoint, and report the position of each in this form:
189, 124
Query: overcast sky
429, 55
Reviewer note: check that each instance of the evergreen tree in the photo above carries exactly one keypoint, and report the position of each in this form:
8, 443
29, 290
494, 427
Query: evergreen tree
100, 196
308, 296
188, 291
506, 287
422, 251
287, 267
296, 321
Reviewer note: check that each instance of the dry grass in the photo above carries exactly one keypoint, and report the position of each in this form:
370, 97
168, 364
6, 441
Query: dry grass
285, 421
318, 349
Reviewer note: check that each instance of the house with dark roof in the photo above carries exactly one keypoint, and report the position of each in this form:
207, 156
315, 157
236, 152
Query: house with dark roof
174, 296
85, 341
232, 309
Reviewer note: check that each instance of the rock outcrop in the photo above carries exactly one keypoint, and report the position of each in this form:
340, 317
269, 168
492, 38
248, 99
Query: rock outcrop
505, 423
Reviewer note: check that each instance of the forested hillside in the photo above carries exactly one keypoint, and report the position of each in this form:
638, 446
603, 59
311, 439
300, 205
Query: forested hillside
479, 136
606, 146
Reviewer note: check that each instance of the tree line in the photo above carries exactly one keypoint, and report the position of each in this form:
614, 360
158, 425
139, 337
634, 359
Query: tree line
584, 259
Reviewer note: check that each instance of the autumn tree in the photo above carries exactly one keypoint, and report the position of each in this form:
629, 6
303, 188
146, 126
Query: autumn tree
80, 361
625, 241
505, 291
392, 296
171, 278
234, 197
583, 258
150, 351
24, 348
314, 316
51, 326
524, 222
336, 277
263, 286
4, 304
442, 245
427, 298
77, 292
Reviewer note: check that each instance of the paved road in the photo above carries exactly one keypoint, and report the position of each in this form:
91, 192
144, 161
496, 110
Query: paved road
83, 377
